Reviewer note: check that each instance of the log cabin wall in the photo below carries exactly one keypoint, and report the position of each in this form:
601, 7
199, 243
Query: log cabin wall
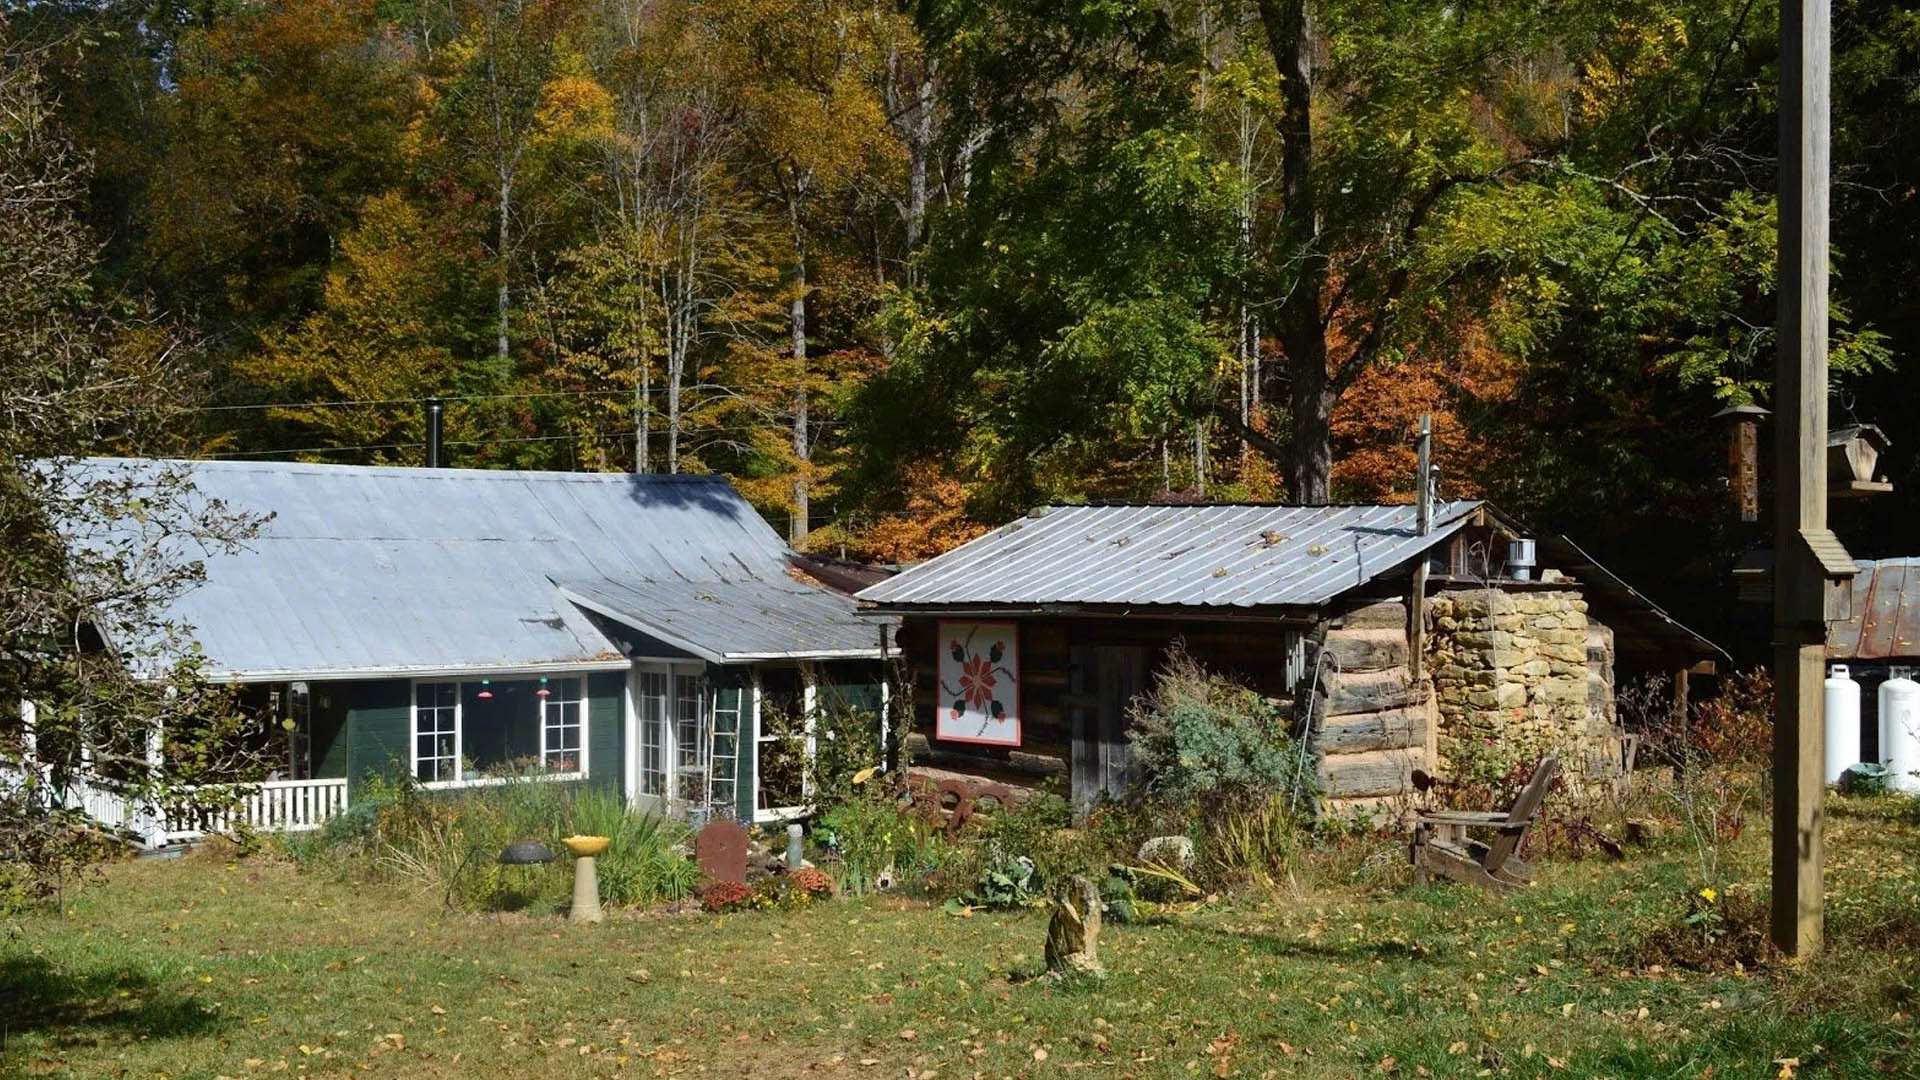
1056, 654
1372, 719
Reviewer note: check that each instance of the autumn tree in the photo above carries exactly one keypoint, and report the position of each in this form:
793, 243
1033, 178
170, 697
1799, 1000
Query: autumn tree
94, 676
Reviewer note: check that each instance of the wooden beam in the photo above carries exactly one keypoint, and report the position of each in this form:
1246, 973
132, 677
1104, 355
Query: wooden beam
1800, 477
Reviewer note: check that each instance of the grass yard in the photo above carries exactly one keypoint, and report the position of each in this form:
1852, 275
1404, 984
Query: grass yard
203, 968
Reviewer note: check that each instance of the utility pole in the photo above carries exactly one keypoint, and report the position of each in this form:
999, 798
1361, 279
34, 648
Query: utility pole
1811, 568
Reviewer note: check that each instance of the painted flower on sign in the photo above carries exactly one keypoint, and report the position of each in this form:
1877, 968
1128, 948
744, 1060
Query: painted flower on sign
979, 683
976, 681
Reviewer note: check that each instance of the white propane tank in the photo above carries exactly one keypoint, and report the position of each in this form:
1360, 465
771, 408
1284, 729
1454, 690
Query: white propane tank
1900, 733
1843, 722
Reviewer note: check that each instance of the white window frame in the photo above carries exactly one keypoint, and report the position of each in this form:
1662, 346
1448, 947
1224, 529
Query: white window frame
552, 700
808, 707
670, 795
459, 730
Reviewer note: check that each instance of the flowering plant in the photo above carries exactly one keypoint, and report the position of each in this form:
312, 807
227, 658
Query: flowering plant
719, 896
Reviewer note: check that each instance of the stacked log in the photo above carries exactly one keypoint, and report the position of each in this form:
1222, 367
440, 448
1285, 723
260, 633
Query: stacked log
1373, 718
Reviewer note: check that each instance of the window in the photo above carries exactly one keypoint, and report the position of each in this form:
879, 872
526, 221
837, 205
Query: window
560, 727
436, 732
690, 744
653, 725
486, 730
786, 701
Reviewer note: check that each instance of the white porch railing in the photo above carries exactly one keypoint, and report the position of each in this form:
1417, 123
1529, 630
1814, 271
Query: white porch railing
272, 806
269, 806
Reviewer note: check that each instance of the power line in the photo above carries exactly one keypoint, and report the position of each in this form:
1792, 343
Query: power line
344, 403
692, 432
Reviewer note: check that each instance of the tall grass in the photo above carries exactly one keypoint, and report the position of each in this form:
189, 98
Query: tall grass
449, 844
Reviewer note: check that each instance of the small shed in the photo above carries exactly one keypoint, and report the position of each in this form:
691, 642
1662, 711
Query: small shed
1881, 640
1394, 648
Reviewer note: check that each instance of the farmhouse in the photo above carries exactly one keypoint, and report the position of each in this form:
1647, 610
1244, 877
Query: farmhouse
646, 634
1396, 642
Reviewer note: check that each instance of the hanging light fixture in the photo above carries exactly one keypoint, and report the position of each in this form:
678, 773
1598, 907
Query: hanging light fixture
543, 691
486, 690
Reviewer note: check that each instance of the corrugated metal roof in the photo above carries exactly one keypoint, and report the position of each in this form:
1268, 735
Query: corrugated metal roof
1207, 556
732, 620
1886, 613
380, 570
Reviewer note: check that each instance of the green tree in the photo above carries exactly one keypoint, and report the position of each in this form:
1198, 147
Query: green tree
93, 555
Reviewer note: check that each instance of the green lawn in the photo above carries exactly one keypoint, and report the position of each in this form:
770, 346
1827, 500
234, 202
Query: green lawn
203, 968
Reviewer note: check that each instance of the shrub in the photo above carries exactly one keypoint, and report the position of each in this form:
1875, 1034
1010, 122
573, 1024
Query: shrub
815, 883
1218, 755
871, 836
723, 896
1205, 741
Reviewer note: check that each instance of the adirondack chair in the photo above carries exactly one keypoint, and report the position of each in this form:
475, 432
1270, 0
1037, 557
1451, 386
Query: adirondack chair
1441, 845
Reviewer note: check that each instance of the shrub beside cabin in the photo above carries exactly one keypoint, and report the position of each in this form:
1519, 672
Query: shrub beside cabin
1392, 648
646, 634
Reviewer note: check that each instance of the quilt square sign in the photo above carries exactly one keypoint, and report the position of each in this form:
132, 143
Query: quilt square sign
979, 683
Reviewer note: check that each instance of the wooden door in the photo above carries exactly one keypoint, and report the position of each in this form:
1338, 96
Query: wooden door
1102, 683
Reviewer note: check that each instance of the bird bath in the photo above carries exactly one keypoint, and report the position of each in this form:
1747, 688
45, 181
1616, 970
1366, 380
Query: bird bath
586, 879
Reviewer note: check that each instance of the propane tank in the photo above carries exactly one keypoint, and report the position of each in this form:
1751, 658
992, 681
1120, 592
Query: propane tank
1843, 722
1900, 733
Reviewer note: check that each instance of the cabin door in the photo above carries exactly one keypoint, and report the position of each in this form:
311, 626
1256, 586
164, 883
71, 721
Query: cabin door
674, 746
1104, 681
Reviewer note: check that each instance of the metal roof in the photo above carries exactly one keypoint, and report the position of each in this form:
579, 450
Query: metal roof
732, 621
1886, 613
377, 571
1206, 556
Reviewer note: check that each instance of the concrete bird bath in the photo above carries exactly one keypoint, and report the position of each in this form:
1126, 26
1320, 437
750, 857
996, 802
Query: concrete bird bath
586, 880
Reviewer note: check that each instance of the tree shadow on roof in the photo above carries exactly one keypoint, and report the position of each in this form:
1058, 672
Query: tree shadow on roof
712, 494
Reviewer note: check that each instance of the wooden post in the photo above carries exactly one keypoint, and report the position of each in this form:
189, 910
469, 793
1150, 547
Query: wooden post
1417, 596
1800, 478
1680, 695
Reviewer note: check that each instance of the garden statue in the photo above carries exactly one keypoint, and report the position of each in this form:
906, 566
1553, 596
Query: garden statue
586, 880
1074, 932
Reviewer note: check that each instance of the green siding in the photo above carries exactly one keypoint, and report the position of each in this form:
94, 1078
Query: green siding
328, 736
606, 730
379, 715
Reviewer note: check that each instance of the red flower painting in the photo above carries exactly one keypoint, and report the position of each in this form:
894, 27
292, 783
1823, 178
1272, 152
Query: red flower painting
979, 683
976, 681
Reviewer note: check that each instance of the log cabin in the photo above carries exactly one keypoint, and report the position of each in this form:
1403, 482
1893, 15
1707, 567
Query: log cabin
1394, 643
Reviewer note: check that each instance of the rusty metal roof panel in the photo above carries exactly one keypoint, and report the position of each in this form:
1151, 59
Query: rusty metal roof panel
1200, 556
1886, 613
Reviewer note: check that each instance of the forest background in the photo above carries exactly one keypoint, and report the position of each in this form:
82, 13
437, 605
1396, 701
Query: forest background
902, 270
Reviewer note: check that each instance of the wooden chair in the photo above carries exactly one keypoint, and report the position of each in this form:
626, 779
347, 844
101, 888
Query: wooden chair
1441, 845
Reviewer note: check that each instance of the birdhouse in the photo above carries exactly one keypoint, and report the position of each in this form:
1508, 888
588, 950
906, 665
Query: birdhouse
1853, 454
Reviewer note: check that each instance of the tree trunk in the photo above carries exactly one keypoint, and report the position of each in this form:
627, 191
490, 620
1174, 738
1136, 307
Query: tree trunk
1302, 327
504, 297
802, 450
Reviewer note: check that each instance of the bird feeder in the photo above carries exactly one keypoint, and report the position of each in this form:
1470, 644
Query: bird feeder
1853, 453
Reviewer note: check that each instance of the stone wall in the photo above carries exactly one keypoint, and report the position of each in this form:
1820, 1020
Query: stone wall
1518, 674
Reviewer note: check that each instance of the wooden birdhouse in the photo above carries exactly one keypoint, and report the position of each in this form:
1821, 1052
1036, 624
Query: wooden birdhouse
1853, 453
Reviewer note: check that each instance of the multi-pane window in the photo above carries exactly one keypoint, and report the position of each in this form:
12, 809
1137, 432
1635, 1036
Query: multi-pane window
560, 726
436, 732
653, 733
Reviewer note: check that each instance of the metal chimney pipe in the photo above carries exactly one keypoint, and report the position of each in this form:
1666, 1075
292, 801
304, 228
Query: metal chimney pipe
1423, 498
435, 407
